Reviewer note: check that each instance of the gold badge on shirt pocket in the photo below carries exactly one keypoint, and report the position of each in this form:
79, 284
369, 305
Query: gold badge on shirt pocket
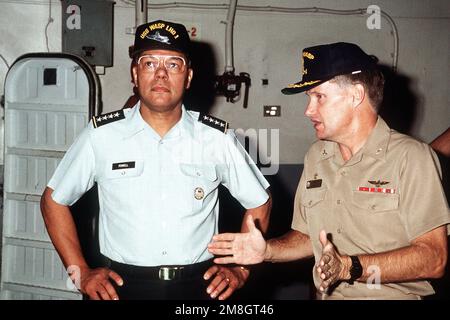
199, 193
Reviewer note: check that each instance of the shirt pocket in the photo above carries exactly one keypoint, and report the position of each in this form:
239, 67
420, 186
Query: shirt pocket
313, 198
123, 169
203, 180
376, 221
375, 202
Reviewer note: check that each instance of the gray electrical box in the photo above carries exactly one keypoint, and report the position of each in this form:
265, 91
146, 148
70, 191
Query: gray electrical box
87, 30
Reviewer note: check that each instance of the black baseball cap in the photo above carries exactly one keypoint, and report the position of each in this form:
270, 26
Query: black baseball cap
163, 35
324, 62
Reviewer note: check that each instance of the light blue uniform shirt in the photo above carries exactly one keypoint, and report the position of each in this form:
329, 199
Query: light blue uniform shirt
158, 196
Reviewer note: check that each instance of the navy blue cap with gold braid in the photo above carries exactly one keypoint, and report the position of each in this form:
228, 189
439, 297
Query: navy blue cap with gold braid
213, 122
106, 118
323, 62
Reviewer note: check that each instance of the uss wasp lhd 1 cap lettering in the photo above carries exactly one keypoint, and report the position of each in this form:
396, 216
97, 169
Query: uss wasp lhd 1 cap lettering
163, 35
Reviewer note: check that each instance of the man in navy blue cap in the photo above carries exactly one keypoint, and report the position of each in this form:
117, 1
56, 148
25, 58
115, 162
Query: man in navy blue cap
369, 205
158, 167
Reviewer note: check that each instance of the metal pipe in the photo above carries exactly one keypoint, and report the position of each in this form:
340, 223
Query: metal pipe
229, 63
288, 10
394, 33
141, 12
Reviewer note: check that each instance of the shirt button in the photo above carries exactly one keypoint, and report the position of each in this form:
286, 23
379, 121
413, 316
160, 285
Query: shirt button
373, 207
338, 201
343, 173
123, 173
339, 230
310, 202
161, 142
164, 253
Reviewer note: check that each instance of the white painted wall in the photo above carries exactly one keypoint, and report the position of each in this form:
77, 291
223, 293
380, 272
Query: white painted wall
268, 45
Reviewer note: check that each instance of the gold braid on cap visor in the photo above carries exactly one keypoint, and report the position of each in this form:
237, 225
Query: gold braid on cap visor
299, 85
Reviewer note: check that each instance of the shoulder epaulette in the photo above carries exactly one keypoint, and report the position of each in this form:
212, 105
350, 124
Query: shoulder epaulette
213, 122
106, 118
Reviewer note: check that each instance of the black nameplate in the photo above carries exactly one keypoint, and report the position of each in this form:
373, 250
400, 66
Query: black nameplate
314, 184
123, 165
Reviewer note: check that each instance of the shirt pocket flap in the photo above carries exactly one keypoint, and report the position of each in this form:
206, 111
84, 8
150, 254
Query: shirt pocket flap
311, 197
124, 169
375, 202
207, 172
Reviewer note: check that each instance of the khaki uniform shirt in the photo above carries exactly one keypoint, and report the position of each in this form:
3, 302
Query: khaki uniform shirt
385, 196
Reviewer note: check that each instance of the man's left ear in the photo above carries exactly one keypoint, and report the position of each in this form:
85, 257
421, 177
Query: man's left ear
358, 94
189, 78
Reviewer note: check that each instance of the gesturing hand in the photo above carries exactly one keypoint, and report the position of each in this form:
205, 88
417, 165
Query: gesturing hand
331, 267
239, 248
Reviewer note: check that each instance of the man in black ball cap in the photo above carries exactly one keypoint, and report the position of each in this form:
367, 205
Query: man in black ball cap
370, 205
158, 167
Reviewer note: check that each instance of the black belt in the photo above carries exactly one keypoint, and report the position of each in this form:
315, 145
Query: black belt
170, 272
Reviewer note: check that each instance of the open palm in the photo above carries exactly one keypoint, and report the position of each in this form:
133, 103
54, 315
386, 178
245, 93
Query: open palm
239, 248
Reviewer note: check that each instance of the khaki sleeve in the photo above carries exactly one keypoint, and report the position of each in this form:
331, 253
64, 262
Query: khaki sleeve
423, 203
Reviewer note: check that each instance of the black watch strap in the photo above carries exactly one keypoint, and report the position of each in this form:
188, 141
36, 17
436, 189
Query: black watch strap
356, 269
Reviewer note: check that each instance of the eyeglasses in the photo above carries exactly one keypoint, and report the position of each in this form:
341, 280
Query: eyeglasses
151, 63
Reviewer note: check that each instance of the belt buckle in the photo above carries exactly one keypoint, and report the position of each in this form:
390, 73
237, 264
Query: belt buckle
169, 273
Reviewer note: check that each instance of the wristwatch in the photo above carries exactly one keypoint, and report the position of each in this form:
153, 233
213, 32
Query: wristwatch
356, 270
